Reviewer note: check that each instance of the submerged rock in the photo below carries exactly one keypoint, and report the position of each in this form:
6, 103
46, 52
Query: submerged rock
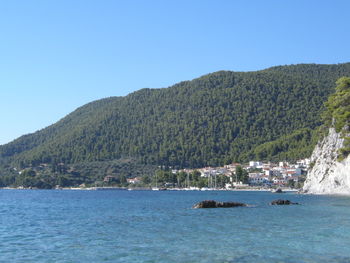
215, 204
278, 191
282, 202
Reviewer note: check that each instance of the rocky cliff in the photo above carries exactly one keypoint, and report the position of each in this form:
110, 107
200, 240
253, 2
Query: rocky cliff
327, 175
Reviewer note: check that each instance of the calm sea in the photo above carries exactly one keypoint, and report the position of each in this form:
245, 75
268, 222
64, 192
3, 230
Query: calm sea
160, 226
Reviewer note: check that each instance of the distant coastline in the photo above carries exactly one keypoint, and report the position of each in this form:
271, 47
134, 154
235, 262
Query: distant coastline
247, 189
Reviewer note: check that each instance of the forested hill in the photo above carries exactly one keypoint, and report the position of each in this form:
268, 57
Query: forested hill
220, 117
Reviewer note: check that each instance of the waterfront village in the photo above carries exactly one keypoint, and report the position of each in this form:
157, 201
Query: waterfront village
257, 175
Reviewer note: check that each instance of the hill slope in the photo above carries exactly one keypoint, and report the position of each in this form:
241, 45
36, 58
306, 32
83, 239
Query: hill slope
217, 118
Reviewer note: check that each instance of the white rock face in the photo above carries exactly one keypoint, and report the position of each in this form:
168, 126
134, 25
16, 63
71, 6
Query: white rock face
328, 176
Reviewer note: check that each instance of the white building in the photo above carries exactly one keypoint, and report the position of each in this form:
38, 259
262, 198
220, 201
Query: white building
255, 164
279, 181
258, 178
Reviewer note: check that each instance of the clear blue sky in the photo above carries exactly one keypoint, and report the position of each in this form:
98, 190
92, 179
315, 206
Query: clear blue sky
56, 55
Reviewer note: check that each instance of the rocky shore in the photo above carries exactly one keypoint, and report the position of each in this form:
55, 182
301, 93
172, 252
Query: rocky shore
328, 175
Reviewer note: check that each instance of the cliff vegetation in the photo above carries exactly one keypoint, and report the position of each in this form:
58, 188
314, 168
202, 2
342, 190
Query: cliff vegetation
337, 114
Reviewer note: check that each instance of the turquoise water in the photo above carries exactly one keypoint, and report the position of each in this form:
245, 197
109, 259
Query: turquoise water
153, 226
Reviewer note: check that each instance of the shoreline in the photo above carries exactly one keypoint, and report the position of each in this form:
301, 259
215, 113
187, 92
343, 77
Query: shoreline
150, 189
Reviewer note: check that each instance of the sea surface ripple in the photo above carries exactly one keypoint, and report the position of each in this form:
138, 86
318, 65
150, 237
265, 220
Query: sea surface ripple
161, 226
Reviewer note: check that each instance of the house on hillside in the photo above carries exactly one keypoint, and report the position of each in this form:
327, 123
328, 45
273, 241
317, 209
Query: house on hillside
109, 178
134, 180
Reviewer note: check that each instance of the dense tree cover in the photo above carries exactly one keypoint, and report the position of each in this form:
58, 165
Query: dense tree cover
215, 119
90, 174
241, 175
290, 147
337, 113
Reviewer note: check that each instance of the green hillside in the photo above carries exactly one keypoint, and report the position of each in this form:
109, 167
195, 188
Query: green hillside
337, 114
217, 118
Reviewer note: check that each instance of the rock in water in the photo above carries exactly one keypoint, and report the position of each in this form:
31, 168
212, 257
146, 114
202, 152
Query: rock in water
206, 204
327, 175
282, 202
215, 204
229, 204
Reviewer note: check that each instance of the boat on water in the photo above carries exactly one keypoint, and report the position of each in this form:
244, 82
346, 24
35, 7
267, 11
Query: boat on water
159, 189
207, 189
